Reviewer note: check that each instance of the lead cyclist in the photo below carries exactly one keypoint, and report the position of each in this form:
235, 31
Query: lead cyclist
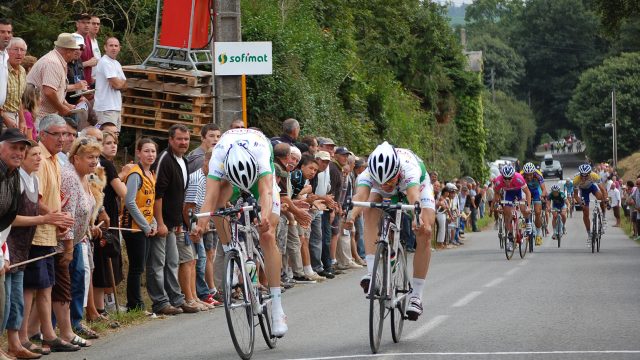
392, 171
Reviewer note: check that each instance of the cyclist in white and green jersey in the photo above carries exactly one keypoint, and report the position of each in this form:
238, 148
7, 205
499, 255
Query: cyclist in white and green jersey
391, 172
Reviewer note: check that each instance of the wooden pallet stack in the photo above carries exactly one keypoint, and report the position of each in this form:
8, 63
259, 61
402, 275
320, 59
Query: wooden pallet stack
158, 98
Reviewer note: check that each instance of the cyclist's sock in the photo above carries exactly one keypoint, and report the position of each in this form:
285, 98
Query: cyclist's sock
418, 286
370, 259
276, 302
538, 231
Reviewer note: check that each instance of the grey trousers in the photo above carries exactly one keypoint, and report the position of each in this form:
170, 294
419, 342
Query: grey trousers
162, 272
315, 242
292, 256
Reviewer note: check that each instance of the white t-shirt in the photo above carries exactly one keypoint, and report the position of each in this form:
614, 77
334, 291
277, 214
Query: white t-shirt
183, 166
4, 76
324, 183
106, 97
96, 53
614, 195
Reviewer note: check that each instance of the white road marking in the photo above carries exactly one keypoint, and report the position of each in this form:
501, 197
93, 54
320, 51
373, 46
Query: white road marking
467, 299
512, 271
533, 354
494, 282
430, 325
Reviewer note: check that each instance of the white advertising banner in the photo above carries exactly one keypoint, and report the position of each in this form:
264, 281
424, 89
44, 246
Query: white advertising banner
237, 58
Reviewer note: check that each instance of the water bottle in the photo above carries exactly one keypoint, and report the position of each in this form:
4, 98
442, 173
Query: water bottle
393, 261
250, 267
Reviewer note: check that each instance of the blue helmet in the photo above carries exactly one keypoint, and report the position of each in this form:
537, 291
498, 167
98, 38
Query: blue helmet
507, 171
584, 169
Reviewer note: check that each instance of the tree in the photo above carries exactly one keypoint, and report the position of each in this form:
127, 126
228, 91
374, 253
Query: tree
590, 106
507, 64
614, 13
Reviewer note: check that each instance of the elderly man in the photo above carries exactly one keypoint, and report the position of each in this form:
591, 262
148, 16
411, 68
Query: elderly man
49, 74
39, 276
290, 132
12, 115
6, 33
110, 81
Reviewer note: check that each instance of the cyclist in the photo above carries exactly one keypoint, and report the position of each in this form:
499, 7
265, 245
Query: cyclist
535, 183
243, 161
588, 182
558, 201
393, 172
568, 190
514, 186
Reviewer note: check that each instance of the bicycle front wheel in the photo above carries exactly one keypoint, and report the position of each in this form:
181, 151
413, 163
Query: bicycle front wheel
400, 288
524, 243
237, 306
377, 297
501, 232
559, 230
515, 232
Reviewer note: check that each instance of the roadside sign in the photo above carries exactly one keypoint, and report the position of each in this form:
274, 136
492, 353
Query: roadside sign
238, 58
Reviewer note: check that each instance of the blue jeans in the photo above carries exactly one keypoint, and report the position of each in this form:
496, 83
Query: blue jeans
360, 236
76, 270
315, 242
14, 301
202, 289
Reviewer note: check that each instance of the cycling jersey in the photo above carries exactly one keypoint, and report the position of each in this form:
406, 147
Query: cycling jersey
557, 201
412, 173
586, 183
568, 186
512, 190
534, 185
259, 146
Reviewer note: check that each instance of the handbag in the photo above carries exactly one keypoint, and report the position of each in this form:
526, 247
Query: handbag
110, 244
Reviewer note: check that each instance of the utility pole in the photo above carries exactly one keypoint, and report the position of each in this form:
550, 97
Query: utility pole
228, 89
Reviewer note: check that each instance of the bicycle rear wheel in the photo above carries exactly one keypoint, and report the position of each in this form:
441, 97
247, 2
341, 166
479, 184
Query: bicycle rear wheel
265, 315
237, 306
525, 239
401, 287
559, 230
501, 231
377, 297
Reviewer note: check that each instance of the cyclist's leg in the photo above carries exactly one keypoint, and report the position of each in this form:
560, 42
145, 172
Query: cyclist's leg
563, 215
584, 193
226, 191
372, 221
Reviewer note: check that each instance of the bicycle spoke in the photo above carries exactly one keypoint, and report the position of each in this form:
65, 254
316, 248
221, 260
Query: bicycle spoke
238, 306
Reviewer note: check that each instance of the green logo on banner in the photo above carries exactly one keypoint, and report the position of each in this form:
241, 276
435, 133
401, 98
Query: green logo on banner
242, 58
222, 58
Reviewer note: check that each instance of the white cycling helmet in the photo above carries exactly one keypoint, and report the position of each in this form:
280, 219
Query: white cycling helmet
383, 163
555, 187
584, 169
529, 168
240, 167
508, 171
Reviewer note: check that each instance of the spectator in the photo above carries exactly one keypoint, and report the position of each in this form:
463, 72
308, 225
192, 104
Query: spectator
30, 100
79, 202
615, 201
138, 215
70, 137
312, 144
329, 220
12, 115
321, 185
237, 124
636, 204
19, 241
110, 81
49, 74
209, 136
39, 275
114, 190
76, 84
290, 132
6, 33
360, 166
94, 29
86, 59
163, 258
204, 287
442, 213
28, 62
630, 209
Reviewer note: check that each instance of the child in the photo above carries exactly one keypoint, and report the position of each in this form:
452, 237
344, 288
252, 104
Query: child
30, 101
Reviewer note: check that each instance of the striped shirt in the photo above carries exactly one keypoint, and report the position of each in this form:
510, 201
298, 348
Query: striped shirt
15, 87
195, 191
51, 71
4, 74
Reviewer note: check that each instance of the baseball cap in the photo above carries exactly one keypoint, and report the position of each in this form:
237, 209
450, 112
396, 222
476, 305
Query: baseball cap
66, 41
325, 141
343, 151
14, 135
323, 155
79, 39
83, 16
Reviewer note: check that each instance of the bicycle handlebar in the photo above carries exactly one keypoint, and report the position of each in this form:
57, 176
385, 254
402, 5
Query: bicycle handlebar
505, 202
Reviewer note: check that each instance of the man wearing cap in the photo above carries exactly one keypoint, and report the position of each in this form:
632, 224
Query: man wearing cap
77, 84
329, 220
321, 187
110, 81
49, 74
13, 145
12, 115
83, 28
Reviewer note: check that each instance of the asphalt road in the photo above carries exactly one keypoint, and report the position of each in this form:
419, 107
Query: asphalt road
557, 303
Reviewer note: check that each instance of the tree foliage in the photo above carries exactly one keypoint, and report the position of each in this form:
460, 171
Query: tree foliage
507, 64
590, 106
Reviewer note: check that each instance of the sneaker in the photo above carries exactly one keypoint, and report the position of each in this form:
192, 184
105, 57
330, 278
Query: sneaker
414, 310
538, 240
354, 265
302, 279
210, 300
218, 297
327, 275
316, 277
169, 310
365, 282
279, 325
204, 306
189, 308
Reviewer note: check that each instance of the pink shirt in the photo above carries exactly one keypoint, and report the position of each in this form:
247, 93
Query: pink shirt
51, 71
517, 183
28, 119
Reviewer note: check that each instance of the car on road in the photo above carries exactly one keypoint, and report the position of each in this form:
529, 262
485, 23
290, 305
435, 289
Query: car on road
551, 167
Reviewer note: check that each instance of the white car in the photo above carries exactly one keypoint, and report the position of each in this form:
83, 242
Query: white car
550, 167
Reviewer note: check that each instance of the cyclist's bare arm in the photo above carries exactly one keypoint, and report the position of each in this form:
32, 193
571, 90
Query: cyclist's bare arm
427, 216
362, 194
210, 203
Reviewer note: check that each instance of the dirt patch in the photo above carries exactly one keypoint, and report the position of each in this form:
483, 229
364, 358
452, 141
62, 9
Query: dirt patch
630, 167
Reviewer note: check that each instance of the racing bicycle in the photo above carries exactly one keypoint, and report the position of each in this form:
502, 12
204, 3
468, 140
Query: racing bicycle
517, 226
558, 230
244, 297
389, 287
596, 227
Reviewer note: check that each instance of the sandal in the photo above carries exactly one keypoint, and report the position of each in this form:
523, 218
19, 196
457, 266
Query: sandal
101, 317
57, 345
78, 341
86, 332
35, 348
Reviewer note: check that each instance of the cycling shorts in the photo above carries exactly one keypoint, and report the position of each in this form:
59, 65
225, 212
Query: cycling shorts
513, 195
535, 194
426, 194
584, 193
558, 206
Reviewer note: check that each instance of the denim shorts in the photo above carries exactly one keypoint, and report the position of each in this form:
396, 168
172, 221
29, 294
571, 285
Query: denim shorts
14, 301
